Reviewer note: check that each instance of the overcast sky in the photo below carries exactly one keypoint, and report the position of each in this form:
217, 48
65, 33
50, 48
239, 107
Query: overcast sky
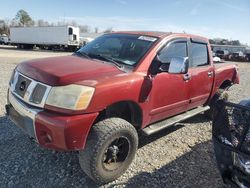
211, 18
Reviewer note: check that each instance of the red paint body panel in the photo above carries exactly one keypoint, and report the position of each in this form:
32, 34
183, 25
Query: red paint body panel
64, 70
158, 97
169, 96
67, 132
200, 85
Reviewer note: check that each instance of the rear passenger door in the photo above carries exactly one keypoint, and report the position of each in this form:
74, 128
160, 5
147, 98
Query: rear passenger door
201, 73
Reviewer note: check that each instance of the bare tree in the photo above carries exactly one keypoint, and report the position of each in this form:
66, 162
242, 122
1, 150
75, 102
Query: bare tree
3, 29
70, 22
96, 29
108, 30
5, 26
42, 23
84, 28
61, 23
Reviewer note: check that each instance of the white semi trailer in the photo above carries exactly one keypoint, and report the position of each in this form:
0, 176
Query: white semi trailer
53, 37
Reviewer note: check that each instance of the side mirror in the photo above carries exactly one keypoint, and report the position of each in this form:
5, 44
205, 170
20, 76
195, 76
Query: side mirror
155, 65
178, 65
164, 67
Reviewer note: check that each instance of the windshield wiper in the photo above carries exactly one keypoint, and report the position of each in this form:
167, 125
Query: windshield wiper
82, 54
105, 58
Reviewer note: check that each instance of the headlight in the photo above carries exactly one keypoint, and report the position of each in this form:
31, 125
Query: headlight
12, 77
73, 97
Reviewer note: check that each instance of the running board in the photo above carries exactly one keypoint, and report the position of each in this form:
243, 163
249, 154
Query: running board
158, 126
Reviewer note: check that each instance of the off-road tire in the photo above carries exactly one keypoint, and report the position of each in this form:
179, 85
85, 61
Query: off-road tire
101, 136
221, 94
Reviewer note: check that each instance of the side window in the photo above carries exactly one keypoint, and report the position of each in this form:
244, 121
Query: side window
199, 54
176, 49
70, 31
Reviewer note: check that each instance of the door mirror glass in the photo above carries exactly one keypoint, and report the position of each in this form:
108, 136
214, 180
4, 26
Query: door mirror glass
178, 65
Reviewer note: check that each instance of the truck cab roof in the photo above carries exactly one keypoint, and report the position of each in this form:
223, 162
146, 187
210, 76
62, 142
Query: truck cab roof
161, 34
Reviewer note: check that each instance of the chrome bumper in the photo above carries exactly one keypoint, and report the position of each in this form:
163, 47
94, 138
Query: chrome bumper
22, 115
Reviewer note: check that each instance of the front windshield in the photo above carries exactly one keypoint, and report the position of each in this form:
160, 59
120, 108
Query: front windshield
125, 49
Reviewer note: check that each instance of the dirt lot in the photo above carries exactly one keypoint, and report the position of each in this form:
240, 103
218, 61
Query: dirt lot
181, 156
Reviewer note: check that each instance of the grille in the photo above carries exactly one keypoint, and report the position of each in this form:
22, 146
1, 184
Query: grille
29, 90
22, 85
38, 93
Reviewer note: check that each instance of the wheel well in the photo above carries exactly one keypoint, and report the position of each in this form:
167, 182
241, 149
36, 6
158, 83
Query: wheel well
226, 84
126, 110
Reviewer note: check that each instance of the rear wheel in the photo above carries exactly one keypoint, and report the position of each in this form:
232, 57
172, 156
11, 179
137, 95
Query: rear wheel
221, 94
110, 149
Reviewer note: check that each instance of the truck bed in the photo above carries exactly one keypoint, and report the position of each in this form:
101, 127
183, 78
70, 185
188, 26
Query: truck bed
225, 72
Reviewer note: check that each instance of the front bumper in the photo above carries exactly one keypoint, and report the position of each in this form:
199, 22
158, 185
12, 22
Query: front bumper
51, 130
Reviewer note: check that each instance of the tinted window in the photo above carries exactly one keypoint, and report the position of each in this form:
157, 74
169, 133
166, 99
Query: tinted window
199, 54
177, 49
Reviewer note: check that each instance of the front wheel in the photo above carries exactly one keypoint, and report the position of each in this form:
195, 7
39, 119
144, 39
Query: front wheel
110, 149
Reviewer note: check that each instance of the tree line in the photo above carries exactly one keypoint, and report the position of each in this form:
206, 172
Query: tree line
23, 19
225, 42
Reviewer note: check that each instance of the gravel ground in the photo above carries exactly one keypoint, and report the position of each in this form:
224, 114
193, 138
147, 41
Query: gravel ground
181, 156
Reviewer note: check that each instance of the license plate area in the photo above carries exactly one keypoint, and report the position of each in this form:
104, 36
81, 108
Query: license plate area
21, 121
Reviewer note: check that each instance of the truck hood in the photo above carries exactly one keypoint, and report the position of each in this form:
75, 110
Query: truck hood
66, 70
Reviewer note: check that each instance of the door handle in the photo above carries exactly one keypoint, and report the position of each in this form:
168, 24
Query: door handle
186, 77
210, 73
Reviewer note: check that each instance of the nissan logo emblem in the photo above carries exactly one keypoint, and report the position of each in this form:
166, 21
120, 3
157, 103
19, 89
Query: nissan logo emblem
22, 86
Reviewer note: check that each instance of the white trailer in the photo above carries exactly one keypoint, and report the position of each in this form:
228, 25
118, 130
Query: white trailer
66, 37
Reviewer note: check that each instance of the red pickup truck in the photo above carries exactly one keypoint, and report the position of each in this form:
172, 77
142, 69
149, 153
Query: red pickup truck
96, 100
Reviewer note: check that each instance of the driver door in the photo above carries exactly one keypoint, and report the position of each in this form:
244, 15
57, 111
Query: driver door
169, 94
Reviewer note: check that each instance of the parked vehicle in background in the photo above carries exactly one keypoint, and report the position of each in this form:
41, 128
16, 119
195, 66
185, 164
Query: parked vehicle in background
4, 39
97, 100
247, 57
237, 56
53, 37
223, 54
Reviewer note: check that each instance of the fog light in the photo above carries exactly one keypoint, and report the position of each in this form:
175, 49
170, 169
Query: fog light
45, 137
